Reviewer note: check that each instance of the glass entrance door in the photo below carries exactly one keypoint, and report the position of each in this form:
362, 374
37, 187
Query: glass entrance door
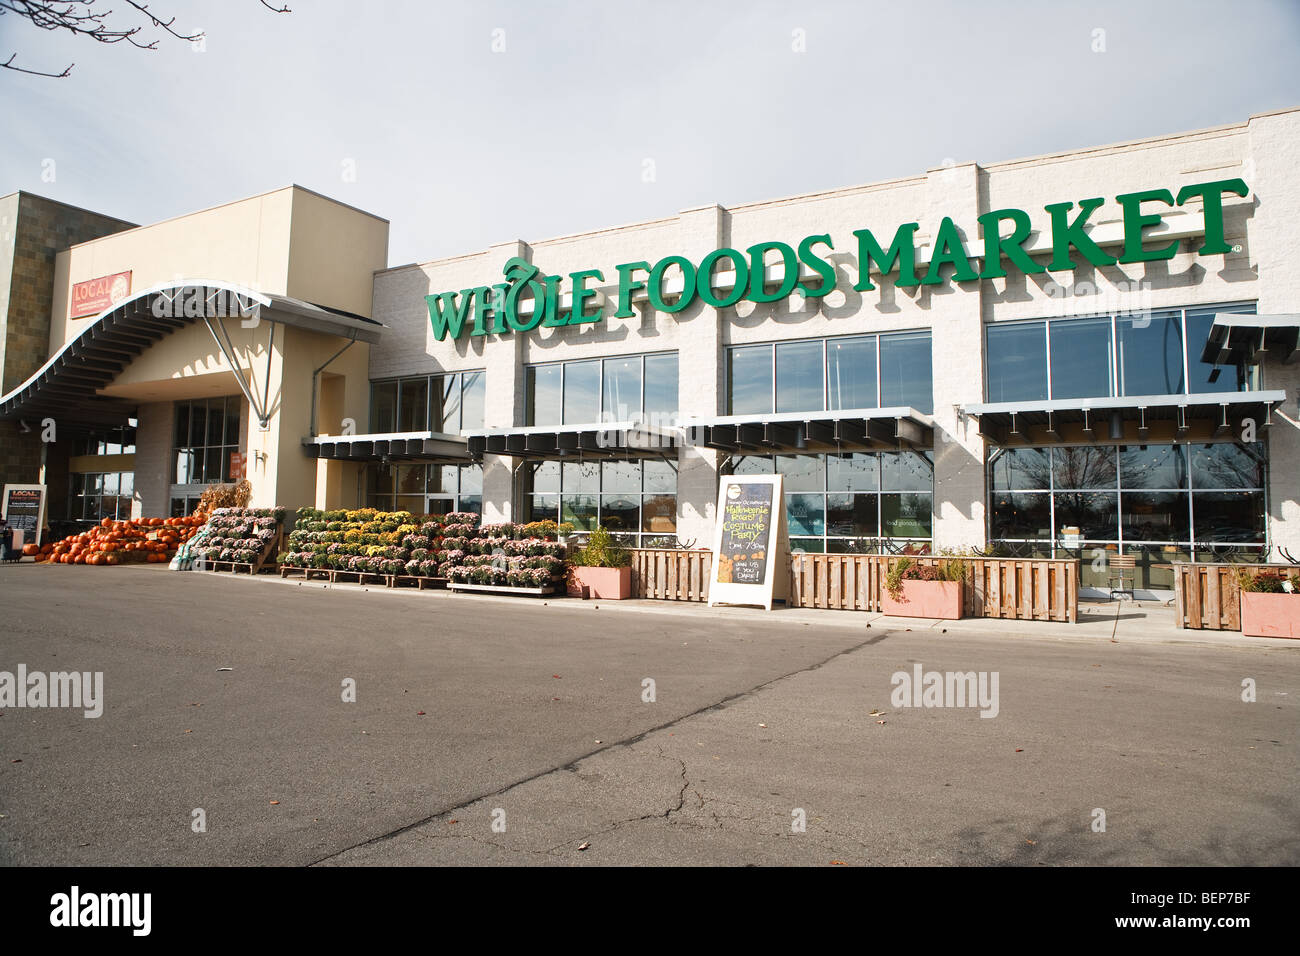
440, 505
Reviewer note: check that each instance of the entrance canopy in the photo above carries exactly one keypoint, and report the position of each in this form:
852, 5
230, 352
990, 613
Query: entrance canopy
68, 385
1006, 422
1237, 339
393, 446
862, 429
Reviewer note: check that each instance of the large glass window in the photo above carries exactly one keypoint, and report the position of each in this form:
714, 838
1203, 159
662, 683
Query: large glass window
1083, 362
799, 370
1147, 353
383, 408
413, 406
544, 393
905, 371
1204, 376
851, 372
447, 403
95, 496
1017, 362
424, 488
862, 503
627, 388
661, 386
861, 371
206, 436
473, 397
581, 392
620, 397
749, 380
635, 500
107, 441
1161, 502
1150, 358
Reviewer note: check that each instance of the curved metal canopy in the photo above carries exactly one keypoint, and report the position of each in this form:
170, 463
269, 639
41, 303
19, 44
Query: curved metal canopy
68, 385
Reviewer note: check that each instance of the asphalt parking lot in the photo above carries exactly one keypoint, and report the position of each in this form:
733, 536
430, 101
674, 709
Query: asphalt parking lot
514, 731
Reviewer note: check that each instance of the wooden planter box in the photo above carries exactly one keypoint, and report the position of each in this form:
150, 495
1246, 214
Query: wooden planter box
609, 584
1270, 615
936, 599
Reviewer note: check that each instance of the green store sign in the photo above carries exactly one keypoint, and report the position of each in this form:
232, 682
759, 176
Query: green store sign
528, 299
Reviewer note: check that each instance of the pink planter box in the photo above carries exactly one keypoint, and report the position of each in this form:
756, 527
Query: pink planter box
938, 599
610, 584
1270, 615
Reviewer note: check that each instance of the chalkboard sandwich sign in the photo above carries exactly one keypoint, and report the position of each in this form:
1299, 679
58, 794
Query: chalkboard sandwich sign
749, 541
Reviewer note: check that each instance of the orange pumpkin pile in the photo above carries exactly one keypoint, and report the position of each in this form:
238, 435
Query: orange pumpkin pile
154, 540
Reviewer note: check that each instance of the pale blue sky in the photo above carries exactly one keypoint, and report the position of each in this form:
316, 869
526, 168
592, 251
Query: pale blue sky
460, 146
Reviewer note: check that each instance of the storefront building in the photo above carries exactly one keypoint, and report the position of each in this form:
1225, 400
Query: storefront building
1088, 353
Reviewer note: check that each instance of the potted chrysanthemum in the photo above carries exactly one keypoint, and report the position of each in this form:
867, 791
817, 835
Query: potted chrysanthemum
602, 568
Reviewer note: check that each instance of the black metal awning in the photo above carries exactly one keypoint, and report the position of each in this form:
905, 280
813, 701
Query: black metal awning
396, 446
598, 440
1005, 422
68, 385
861, 429
1244, 339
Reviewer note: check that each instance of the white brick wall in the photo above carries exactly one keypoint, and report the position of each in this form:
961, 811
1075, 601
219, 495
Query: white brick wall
1263, 151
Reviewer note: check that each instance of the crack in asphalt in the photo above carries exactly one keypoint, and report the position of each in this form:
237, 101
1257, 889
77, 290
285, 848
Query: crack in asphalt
571, 765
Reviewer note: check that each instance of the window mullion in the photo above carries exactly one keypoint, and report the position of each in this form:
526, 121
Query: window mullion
772, 410
1047, 345
1187, 377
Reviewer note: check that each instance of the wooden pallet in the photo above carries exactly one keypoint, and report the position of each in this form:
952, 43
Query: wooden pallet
305, 572
234, 567
358, 577
266, 561
412, 580
545, 591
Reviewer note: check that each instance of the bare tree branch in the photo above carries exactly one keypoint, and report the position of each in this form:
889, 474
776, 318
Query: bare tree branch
82, 18
9, 65
164, 24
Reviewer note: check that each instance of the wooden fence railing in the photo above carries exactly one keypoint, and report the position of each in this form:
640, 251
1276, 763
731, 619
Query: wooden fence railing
1208, 596
1040, 589
671, 574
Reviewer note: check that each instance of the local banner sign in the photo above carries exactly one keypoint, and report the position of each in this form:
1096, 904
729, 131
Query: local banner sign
24, 510
528, 299
95, 295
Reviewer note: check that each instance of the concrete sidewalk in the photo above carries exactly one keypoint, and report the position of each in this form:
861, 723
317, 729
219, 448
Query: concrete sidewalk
1124, 622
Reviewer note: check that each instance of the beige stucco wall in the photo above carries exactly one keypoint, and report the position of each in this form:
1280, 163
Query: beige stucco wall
276, 466
244, 242
334, 251
287, 242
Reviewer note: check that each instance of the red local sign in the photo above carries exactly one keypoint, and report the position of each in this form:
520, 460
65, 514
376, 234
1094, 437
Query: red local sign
95, 295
